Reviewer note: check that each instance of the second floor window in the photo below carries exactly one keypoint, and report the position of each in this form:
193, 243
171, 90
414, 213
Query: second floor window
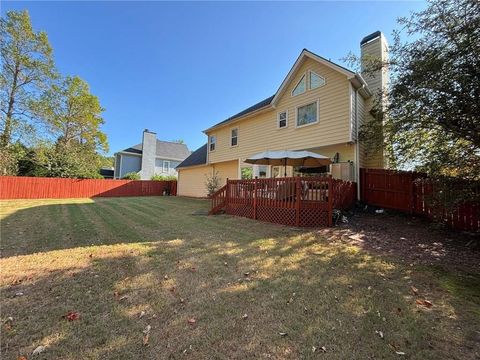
213, 142
166, 166
234, 138
307, 114
282, 119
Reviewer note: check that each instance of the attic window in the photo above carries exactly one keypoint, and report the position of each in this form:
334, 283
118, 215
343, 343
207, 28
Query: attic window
300, 88
316, 80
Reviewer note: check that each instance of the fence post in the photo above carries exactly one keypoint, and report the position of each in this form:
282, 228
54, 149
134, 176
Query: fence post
297, 198
255, 198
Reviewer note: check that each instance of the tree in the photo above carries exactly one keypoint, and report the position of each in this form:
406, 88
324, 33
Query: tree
431, 122
73, 114
27, 67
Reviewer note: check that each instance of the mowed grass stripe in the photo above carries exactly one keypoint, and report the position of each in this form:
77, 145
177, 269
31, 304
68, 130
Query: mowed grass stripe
82, 228
112, 226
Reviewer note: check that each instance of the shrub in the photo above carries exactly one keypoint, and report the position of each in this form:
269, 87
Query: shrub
131, 176
158, 177
213, 183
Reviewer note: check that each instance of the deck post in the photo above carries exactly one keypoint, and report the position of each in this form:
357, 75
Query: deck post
255, 198
331, 195
297, 198
227, 195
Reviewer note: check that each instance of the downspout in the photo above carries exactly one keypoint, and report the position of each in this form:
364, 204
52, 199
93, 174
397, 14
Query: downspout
357, 146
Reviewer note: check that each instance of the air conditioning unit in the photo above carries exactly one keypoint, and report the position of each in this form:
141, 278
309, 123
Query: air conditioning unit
343, 171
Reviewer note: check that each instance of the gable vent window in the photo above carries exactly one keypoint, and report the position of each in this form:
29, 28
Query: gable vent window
300, 88
282, 119
316, 80
234, 138
212, 142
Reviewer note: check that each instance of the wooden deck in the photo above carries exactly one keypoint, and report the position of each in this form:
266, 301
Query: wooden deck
293, 201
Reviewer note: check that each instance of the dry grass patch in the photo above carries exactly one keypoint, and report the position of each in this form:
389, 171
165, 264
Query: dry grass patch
214, 287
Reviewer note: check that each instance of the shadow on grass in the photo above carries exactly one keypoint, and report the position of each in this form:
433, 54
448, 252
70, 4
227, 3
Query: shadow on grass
318, 295
114, 258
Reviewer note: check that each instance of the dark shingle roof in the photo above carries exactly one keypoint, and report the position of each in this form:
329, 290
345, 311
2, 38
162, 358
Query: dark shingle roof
252, 108
198, 157
167, 149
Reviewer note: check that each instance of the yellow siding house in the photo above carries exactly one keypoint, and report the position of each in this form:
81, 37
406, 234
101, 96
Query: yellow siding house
318, 107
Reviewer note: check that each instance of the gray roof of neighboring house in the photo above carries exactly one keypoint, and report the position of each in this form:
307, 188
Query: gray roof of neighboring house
167, 149
198, 157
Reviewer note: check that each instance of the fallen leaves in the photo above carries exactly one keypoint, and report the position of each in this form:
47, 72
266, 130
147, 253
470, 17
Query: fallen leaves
38, 350
414, 290
379, 333
282, 333
146, 335
245, 316
71, 316
425, 303
191, 321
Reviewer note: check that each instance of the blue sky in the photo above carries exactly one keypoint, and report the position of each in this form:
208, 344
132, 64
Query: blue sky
177, 68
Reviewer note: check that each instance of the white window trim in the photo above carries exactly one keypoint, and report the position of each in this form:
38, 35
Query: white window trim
310, 80
231, 137
286, 119
168, 167
304, 76
210, 143
305, 104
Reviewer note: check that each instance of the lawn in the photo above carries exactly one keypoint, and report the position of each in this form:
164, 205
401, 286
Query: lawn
155, 278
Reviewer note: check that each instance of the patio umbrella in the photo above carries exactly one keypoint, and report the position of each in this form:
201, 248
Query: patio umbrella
289, 158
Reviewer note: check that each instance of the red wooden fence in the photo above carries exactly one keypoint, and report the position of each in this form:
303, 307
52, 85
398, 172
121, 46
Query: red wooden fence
19, 187
411, 192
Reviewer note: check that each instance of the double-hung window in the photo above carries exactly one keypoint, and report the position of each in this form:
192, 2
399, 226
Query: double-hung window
282, 119
166, 166
234, 137
213, 142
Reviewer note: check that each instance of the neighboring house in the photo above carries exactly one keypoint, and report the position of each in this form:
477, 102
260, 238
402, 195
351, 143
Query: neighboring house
150, 157
318, 107
107, 172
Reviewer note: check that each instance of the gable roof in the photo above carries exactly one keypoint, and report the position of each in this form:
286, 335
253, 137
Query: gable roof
167, 149
272, 100
198, 157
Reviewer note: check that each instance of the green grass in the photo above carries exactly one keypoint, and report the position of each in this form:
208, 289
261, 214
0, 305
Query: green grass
160, 255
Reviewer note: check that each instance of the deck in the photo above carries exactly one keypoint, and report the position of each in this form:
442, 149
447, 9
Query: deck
293, 201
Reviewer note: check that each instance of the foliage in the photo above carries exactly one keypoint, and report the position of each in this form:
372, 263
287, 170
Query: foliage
178, 141
73, 114
74, 160
213, 183
131, 176
247, 173
27, 67
158, 177
432, 119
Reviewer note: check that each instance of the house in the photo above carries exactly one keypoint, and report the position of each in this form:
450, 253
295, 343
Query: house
151, 157
319, 107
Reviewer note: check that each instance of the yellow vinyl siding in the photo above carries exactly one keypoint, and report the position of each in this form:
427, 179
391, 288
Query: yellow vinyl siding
226, 170
191, 180
260, 132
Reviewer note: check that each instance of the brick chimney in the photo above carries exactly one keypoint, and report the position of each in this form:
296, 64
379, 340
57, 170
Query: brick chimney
149, 149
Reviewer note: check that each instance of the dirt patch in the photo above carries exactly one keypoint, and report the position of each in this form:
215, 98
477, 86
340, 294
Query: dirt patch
413, 240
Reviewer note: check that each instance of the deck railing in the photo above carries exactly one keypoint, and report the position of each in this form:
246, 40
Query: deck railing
294, 201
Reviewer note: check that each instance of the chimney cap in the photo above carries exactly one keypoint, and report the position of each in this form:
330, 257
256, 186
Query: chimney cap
371, 37
151, 132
